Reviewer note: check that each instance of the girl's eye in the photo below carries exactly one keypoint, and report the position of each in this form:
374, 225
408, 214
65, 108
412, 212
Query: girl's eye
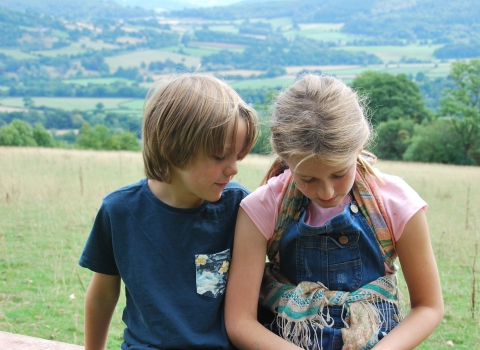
339, 176
308, 181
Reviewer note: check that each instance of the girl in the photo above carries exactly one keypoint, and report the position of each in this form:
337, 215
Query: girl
332, 227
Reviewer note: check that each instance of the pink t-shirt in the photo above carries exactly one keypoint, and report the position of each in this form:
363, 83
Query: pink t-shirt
400, 200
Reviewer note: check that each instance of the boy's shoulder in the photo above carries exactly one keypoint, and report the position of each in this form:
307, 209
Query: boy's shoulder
236, 190
235, 186
125, 193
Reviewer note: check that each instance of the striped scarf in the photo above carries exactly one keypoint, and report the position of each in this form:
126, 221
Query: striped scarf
299, 309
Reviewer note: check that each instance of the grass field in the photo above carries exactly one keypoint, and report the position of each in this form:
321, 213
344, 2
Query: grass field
49, 198
135, 59
81, 103
98, 81
328, 32
17, 54
395, 53
346, 72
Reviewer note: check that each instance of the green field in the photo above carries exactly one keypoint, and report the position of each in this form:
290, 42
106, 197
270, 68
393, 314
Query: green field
49, 198
97, 81
17, 54
198, 50
135, 59
259, 83
329, 32
395, 53
81, 103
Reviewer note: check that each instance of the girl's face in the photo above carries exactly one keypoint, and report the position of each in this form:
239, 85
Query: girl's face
324, 184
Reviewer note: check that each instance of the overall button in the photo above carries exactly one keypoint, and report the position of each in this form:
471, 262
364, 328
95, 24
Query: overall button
343, 239
353, 208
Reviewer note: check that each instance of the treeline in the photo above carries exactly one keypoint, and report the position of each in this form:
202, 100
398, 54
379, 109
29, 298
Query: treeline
70, 129
99, 137
55, 88
278, 51
59, 119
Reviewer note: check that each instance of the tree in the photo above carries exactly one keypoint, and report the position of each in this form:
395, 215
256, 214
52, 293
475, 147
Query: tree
391, 96
42, 137
436, 142
99, 137
28, 102
461, 103
393, 138
17, 133
96, 137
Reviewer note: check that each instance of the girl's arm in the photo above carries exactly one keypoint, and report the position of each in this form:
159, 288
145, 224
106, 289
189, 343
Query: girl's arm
243, 286
100, 301
420, 270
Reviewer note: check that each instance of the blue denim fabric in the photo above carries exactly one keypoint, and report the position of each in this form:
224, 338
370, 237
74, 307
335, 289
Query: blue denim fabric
343, 254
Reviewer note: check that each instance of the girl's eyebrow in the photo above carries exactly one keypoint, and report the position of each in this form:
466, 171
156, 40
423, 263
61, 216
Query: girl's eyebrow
334, 173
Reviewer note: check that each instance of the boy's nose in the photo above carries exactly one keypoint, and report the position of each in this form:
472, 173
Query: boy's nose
232, 168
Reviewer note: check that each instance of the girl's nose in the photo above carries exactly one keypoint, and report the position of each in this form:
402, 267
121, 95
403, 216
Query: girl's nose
325, 191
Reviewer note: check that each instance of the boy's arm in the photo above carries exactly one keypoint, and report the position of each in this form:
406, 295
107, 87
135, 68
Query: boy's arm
100, 301
243, 287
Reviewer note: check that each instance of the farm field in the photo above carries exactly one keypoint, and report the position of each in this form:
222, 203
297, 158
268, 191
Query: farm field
82, 103
98, 81
49, 198
393, 54
135, 59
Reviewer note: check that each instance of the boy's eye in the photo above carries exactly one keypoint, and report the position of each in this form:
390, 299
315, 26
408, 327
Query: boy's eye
218, 157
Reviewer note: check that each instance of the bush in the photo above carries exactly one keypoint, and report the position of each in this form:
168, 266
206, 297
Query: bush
437, 142
393, 138
21, 133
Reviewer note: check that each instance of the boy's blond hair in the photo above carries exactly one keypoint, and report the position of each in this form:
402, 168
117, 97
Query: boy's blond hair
187, 115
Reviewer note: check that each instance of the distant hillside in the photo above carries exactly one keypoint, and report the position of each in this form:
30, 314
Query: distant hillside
170, 5
439, 20
76, 9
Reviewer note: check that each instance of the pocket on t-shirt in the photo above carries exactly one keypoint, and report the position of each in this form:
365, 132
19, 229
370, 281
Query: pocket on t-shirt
212, 271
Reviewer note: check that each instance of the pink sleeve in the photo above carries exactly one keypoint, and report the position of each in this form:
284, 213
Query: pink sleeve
401, 202
262, 204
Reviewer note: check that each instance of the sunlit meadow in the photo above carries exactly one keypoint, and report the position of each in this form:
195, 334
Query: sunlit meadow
49, 198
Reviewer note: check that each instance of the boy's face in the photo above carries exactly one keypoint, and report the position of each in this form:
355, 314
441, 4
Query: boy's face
209, 174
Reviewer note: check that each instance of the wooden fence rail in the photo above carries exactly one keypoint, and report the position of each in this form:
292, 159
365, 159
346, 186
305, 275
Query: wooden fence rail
11, 341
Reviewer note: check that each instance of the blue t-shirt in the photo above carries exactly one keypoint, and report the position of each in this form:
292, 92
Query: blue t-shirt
174, 264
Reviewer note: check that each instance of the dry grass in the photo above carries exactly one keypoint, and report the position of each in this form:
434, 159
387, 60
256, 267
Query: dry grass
49, 197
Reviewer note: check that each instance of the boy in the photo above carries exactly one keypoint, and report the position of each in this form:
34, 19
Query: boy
168, 237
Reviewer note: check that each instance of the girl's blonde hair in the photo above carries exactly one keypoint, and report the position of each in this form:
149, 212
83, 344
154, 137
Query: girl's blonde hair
187, 115
320, 117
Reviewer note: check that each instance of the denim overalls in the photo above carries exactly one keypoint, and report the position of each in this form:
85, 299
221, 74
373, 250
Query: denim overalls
343, 254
